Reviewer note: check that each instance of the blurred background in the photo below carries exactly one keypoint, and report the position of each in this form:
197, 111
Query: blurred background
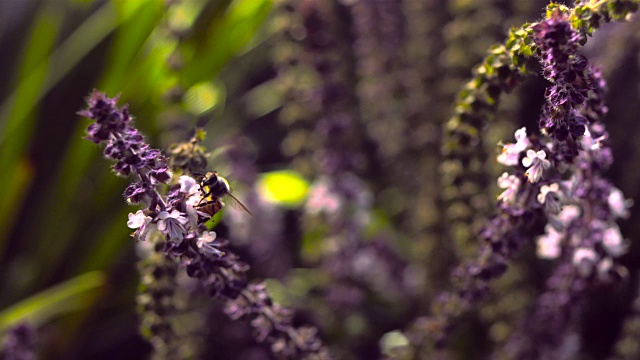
326, 117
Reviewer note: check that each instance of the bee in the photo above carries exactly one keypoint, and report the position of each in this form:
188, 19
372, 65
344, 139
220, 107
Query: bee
214, 187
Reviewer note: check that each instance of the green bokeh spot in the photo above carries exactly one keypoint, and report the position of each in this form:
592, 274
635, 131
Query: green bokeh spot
202, 97
284, 187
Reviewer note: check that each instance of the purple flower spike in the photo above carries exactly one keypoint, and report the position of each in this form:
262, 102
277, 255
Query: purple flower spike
202, 254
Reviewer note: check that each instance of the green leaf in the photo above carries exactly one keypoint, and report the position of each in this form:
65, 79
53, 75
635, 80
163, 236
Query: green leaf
134, 21
215, 220
284, 187
84, 39
72, 295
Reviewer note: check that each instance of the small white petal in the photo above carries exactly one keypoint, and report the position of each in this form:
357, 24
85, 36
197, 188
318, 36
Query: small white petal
207, 237
188, 185
584, 259
568, 214
612, 242
138, 220
618, 205
541, 197
605, 265
545, 163
521, 134
504, 181
541, 154
548, 245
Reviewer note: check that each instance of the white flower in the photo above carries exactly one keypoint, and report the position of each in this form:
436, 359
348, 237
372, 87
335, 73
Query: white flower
550, 196
568, 214
188, 185
191, 207
545, 190
618, 205
138, 220
511, 183
206, 243
612, 241
191, 188
584, 259
589, 143
322, 199
511, 152
582, 254
207, 237
548, 245
172, 225
605, 266
536, 162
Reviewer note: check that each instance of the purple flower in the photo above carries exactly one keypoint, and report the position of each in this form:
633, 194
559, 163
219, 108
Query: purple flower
19, 343
123, 142
136, 193
174, 215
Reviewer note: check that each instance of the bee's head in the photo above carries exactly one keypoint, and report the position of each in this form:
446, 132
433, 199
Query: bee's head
209, 179
218, 186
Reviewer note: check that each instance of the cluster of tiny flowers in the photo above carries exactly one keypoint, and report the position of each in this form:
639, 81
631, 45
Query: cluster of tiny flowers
581, 206
555, 180
567, 71
176, 216
550, 325
124, 143
564, 169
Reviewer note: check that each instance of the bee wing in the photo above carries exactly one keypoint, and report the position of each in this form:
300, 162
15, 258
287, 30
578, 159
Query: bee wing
234, 202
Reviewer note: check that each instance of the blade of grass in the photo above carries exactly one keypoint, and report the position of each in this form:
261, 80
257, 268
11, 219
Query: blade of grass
109, 245
226, 38
132, 34
72, 295
85, 38
31, 89
20, 121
